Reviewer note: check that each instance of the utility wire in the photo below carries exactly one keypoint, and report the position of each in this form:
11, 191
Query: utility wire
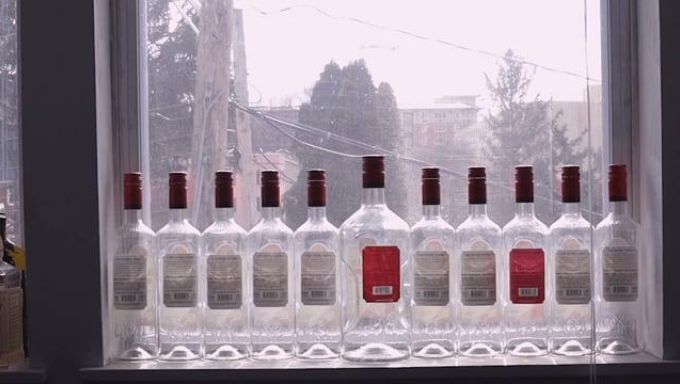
418, 36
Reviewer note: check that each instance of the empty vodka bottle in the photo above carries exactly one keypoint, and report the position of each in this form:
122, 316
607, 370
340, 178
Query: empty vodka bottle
526, 300
618, 300
317, 283
480, 331
223, 246
180, 300
132, 281
376, 275
570, 319
433, 306
270, 250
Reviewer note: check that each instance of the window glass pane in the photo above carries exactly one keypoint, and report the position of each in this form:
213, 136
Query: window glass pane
10, 171
446, 83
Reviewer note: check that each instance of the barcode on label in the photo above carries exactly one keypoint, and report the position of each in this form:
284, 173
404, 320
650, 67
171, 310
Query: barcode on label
128, 298
181, 296
319, 293
271, 295
620, 289
227, 297
382, 290
478, 294
573, 292
528, 292
431, 293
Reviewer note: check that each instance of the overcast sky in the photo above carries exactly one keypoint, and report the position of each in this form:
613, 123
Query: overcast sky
288, 49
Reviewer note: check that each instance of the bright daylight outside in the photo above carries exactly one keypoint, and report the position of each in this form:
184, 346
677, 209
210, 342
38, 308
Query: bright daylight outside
446, 83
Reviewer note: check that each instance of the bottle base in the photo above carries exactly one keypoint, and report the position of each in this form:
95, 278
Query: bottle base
480, 349
433, 350
272, 352
136, 354
179, 353
374, 352
318, 351
528, 348
226, 352
571, 347
617, 347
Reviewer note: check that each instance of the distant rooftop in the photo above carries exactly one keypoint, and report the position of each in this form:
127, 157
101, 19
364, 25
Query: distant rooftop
439, 106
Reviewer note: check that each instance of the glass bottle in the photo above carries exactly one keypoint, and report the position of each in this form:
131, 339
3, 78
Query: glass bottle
180, 300
132, 281
618, 300
318, 328
480, 332
223, 250
570, 245
270, 249
433, 307
526, 301
376, 275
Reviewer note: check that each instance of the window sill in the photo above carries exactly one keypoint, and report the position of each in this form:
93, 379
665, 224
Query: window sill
22, 374
507, 368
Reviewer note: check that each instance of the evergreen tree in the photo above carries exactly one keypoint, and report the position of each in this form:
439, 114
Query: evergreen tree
345, 101
523, 130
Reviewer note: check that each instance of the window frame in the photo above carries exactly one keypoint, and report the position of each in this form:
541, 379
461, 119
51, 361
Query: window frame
90, 164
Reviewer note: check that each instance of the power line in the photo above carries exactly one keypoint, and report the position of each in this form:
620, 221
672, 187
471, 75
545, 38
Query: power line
418, 36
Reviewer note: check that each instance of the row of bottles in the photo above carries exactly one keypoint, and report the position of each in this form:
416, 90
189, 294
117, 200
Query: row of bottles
375, 289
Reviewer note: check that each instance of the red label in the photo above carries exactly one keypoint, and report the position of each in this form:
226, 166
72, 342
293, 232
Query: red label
527, 276
380, 266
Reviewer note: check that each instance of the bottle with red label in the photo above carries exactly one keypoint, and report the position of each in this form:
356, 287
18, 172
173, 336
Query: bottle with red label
570, 245
180, 325
480, 307
526, 301
223, 250
433, 309
376, 275
270, 250
317, 283
132, 281
618, 300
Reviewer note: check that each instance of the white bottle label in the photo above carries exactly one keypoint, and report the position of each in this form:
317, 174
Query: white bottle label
11, 331
431, 275
270, 279
224, 281
180, 280
620, 271
317, 268
572, 273
129, 282
478, 275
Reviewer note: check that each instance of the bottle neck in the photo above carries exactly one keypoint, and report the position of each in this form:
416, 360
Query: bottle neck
618, 208
571, 208
271, 213
478, 210
316, 213
373, 196
431, 211
224, 214
178, 214
524, 209
132, 216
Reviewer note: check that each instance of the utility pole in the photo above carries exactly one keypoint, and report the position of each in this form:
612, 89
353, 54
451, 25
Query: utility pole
245, 202
211, 106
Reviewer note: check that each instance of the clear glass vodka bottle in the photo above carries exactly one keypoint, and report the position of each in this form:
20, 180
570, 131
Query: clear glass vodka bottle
270, 250
526, 300
317, 282
618, 300
223, 247
480, 332
376, 275
180, 294
11, 311
132, 281
432, 243
569, 264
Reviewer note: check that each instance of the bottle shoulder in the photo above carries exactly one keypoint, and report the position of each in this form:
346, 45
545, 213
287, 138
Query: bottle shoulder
570, 222
224, 228
137, 227
269, 226
473, 224
316, 226
374, 217
612, 220
178, 228
522, 224
432, 225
